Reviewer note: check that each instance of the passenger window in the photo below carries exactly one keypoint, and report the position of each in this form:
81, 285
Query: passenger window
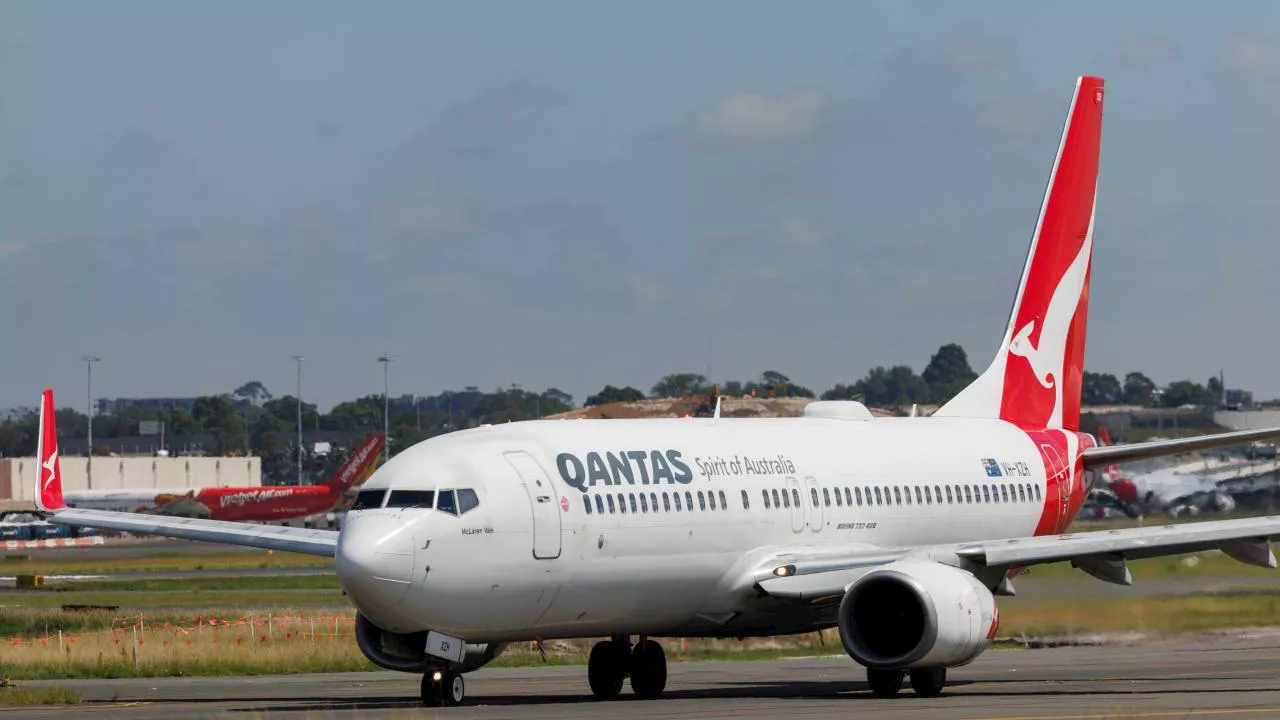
368, 499
1022, 494
765, 493
412, 499
644, 503
724, 504
919, 501
826, 497
599, 505
907, 491
813, 495
622, 503
586, 503
666, 502
948, 494
937, 493
632, 497
1004, 493
446, 502
610, 499
848, 499
711, 500
702, 501
879, 500
897, 496
1037, 489
795, 497
688, 501
786, 500
928, 499
968, 496
986, 494
746, 502
467, 501
653, 500
776, 503
676, 498
839, 498
858, 493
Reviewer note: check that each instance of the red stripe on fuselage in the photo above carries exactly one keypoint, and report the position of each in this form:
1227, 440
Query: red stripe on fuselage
1066, 484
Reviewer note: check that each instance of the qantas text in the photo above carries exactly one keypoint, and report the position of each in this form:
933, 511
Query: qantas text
648, 467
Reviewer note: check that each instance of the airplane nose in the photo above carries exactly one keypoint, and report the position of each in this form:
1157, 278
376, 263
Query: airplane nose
374, 559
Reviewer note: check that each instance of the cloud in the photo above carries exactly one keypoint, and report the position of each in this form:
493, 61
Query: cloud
754, 115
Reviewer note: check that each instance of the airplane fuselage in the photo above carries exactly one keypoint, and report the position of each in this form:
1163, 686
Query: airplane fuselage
591, 528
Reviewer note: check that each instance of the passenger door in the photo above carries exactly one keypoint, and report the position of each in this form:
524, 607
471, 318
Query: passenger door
797, 508
546, 514
812, 496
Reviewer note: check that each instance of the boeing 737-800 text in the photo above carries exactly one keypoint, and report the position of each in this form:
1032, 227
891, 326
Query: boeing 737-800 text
901, 532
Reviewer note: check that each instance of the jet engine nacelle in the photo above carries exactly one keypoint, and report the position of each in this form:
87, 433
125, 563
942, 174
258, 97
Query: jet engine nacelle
917, 614
406, 652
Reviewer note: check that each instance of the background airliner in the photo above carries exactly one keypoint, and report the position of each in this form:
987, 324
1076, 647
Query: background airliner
242, 504
898, 531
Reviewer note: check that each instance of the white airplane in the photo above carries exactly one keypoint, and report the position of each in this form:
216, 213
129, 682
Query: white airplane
898, 531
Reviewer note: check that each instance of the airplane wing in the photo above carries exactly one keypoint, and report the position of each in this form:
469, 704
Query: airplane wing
1095, 457
269, 537
1100, 553
49, 501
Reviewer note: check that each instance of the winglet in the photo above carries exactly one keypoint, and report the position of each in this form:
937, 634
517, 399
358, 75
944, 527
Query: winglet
49, 475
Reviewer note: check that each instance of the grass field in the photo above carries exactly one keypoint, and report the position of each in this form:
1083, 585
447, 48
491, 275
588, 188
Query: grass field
163, 560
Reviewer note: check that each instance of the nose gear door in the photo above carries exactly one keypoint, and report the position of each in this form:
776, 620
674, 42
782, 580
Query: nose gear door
546, 513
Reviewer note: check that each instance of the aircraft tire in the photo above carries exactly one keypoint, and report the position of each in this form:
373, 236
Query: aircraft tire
929, 683
607, 669
884, 683
447, 690
648, 670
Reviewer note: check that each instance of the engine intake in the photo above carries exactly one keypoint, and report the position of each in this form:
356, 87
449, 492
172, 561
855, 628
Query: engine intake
406, 651
917, 613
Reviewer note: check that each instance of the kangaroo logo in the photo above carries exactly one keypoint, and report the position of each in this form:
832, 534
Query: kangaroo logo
50, 466
1048, 358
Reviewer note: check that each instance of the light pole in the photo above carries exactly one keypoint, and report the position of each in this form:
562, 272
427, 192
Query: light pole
386, 361
298, 359
89, 360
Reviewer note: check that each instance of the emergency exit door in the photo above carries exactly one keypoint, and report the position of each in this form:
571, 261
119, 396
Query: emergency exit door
546, 513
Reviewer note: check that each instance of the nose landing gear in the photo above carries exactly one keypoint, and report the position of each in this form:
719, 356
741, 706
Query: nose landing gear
443, 687
612, 661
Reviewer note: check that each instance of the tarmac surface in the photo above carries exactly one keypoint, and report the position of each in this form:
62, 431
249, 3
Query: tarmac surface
1204, 678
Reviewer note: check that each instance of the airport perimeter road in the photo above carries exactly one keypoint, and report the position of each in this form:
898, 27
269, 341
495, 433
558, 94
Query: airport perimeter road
1203, 679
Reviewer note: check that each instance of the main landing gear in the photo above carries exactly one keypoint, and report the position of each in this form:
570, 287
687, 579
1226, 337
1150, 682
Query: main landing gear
612, 661
443, 687
926, 683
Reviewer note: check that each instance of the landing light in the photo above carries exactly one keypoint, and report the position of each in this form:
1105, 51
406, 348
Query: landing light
437, 676
784, 570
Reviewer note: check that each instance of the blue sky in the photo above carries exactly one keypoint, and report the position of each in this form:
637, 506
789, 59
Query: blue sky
571, 194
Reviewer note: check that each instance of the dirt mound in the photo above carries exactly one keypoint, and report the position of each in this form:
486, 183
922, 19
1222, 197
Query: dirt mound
679, 407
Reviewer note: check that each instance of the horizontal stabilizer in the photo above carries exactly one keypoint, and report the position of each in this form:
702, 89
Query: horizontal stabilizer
1096, 457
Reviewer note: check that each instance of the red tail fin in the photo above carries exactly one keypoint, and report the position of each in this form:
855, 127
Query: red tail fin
49, 478
1035, 378
358, 466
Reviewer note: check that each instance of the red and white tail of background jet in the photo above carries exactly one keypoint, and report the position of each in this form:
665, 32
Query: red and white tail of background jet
1034, 380
50, 496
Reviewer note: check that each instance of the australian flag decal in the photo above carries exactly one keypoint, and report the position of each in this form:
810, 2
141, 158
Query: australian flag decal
992, 467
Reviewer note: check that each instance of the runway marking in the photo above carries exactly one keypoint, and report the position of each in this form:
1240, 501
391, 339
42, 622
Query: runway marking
1162, 713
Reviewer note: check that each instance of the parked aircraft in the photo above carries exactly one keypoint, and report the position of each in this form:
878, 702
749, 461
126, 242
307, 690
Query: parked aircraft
242, 504
898, 531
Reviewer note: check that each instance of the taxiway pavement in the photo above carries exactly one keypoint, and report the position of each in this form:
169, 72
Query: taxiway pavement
1207, 678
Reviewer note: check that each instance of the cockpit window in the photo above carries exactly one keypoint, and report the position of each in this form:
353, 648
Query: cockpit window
410, 498
366, 499
447, 502
467, 500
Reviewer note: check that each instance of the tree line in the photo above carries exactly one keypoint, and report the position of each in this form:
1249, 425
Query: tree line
252, 419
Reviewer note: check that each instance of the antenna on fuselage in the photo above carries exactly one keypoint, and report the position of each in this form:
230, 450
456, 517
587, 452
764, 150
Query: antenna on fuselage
913, 410
716, 416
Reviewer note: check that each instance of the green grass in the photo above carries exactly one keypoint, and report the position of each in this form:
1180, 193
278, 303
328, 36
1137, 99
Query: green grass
126, 600
19, 696
162, 561
1189, 567
151, 585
